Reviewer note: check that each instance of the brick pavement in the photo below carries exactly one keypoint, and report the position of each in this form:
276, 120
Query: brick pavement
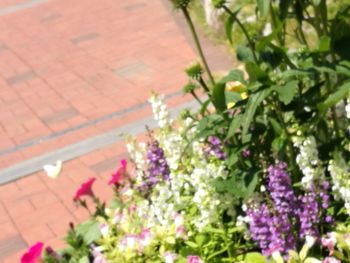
70, 70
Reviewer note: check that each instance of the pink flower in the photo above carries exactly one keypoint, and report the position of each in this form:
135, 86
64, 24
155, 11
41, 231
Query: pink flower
85, 189
329, 242
331, 260
145, 237
129, 241
117, 176
194, 259
33, 255
180, 232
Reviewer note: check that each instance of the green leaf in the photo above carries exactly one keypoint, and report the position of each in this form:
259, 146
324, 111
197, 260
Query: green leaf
89, 230
228, 28
253, 102
84, 259
204, 106
232, 96
343, 68
324, 44
316, 2
335, 97
230, 22
262, 43
254, 257
278, 144
276, 126
235, 124
244, 53
218, 97
233, 75
255, 72
263, 6
200, 239
324, 69
191, 244
241, 186
210, 229
286, 93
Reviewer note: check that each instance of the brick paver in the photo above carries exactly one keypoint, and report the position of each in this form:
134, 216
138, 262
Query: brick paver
64, 63
68, 71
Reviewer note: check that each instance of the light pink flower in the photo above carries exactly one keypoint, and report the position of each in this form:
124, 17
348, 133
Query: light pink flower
329, 242
331, 260
98, 256
33, 255
118, 217
85, 189
194, 259
117, 176
145, 237
129, 242
180, 232
170, 257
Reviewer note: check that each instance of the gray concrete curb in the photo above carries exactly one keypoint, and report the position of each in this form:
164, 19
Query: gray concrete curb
89, 145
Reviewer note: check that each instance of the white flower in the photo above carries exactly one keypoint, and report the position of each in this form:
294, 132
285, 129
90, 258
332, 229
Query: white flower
104, 228
53, 171
170, 257
307, 160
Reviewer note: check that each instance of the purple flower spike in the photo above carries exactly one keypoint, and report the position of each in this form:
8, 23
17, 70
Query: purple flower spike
158, 168
215, 147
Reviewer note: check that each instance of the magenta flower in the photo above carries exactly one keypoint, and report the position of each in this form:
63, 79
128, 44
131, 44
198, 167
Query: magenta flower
85, 189
33, 255
194, 259
117, 176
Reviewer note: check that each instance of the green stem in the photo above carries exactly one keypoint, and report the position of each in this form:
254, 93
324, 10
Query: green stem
321, 17
204, 85
244, 30
291, 152
198, 45
227, 244
196, 97
274, 24
333, 110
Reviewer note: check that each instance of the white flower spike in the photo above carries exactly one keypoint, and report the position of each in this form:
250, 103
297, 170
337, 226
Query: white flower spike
53, 171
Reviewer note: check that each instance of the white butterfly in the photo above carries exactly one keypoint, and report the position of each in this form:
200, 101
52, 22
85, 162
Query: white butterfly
53, 171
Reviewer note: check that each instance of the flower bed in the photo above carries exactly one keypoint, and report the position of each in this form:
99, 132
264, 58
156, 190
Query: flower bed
263, 177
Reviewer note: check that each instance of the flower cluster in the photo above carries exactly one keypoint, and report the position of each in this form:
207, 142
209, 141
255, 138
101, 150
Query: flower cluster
215, 148
158, 168
309, 215
160, 111
339, 172
308, 161
274, 226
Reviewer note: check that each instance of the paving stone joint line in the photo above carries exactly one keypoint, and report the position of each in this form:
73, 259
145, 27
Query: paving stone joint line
86, 124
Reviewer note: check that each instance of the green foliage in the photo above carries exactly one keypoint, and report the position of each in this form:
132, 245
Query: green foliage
90, 231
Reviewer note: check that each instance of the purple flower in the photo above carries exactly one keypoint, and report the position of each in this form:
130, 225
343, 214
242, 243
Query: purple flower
215, 147
309, 214
246, 153
272, 227
280, 188
158, 168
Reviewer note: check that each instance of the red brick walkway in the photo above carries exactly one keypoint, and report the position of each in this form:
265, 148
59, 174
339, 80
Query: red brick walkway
64, 66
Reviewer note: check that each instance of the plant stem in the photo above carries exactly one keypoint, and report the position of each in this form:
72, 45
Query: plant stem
291, 152
196, 97
245, 32
204, 85
198, 45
